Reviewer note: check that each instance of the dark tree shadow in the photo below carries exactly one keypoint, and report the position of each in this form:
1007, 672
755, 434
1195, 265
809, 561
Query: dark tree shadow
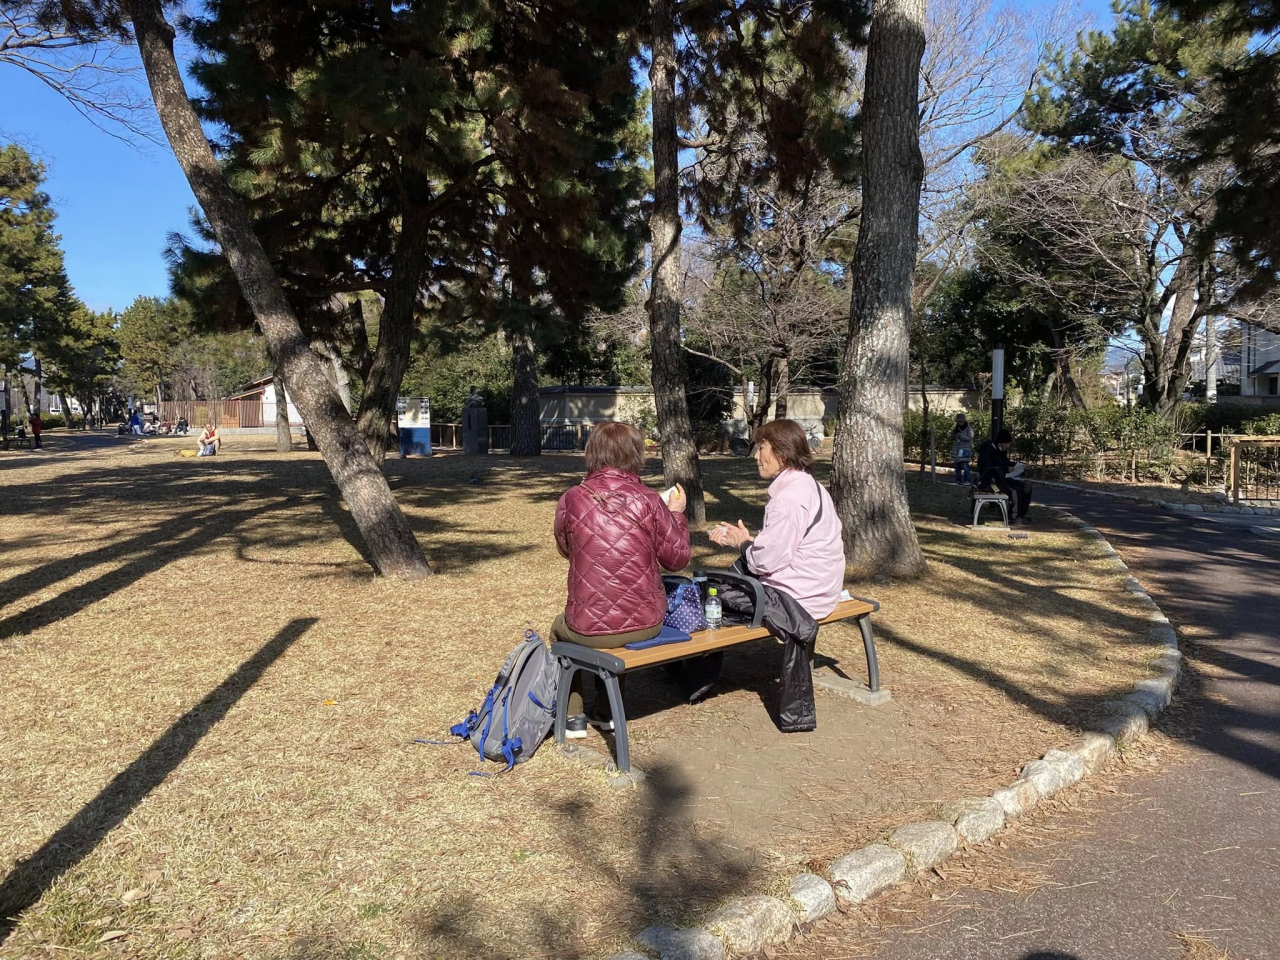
82, 834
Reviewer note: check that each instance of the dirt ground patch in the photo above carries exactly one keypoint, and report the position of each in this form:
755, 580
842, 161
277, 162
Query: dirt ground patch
209, 707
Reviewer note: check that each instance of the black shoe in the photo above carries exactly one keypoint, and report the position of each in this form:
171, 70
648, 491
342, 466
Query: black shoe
603, 724
575, 727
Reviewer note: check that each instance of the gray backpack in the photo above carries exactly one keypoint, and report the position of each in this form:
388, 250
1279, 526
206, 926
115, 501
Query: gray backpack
519, 709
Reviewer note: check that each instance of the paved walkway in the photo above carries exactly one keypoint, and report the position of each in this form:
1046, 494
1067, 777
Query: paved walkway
1194, 847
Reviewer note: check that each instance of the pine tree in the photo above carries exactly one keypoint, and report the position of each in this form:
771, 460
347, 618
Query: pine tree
35, 296
403, 151
388, 537
770, 68
868, 484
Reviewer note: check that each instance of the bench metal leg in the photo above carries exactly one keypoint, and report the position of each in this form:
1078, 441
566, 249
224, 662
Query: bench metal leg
1002, 504
567, 669
869, 644
619, 714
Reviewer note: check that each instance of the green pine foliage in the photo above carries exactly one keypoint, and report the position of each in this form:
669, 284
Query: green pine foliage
35, 296
510, 137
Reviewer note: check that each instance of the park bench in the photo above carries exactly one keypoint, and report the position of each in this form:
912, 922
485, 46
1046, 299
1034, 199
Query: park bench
979, 499
609, 665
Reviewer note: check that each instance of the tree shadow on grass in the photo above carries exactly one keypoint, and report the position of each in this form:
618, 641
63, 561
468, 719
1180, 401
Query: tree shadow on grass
676, 873
139, 555
82, 834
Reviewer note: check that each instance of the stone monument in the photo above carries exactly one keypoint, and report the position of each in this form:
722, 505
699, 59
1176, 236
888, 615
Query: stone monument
475, 424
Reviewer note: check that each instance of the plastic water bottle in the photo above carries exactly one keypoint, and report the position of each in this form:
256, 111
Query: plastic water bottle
711, 610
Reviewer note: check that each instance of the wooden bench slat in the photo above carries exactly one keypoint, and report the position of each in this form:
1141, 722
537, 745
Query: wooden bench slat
708, 641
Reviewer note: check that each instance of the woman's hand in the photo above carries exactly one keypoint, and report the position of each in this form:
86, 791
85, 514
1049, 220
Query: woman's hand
677, 501
726, 536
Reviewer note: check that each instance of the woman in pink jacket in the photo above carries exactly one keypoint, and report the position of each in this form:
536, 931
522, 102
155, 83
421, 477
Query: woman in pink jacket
798, 556
618, 535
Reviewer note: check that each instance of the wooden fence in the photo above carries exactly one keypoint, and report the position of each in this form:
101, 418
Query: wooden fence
1255, 469
222, 413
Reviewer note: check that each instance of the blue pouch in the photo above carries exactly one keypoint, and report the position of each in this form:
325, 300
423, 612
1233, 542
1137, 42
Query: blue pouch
665, 635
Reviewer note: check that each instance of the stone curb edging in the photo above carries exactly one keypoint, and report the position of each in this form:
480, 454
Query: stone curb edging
746, 925
1172, 505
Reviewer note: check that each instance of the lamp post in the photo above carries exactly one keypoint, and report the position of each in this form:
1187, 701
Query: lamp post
997, 389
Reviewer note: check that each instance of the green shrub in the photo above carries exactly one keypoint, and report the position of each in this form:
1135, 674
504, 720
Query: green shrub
1224, 415
1267, 426
51, 420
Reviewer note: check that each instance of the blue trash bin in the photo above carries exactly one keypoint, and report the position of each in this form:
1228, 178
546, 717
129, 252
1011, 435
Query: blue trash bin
415, 441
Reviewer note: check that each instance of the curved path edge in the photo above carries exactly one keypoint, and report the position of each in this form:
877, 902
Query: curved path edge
746, 925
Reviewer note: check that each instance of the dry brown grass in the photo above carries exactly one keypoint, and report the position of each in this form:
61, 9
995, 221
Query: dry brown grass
210, 705
1197, 947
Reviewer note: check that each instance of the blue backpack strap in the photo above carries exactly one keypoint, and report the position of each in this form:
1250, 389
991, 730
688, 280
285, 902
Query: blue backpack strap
509, 746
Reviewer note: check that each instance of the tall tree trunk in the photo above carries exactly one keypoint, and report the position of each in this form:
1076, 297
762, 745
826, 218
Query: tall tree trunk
395, 334
66, 408
526, 417
1210, 359
1063, 371
784, 385
284, 438
389, 540
868, 481
1166, 361
679, 448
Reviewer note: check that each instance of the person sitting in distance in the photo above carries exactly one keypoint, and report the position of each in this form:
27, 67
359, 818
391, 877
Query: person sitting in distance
209, 441
993, 474
618, 536
798, 557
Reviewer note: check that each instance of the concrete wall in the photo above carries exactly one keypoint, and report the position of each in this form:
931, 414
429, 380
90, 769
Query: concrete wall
269, 408
808, 406
595, 404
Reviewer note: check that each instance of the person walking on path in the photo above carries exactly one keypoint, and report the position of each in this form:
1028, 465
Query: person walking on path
36, 425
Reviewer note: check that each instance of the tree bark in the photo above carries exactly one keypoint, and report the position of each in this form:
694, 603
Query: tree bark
1063, 371
784, 385
1210, 359
395, 334
66, 408
675, 430
526, 418
284, 438
868, 480
1166, 361
389, 540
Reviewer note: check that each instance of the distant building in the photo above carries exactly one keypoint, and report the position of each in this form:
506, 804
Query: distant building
1259, 362
264, 389
1226, 365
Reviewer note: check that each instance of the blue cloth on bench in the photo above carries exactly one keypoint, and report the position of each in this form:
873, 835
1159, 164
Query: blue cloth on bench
665, 635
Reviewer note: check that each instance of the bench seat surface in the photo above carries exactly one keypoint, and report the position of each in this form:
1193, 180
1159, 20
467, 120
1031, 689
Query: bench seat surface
707, 641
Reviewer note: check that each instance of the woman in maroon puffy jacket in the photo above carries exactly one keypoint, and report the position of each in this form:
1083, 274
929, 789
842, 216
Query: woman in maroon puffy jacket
618, 535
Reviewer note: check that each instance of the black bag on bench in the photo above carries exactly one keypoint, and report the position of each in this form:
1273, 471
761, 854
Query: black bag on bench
790, 623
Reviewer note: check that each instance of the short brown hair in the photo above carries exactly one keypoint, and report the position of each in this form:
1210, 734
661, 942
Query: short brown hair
617, 445
789, 444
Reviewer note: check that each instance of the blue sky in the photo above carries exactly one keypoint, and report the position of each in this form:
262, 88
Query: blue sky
116, 203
